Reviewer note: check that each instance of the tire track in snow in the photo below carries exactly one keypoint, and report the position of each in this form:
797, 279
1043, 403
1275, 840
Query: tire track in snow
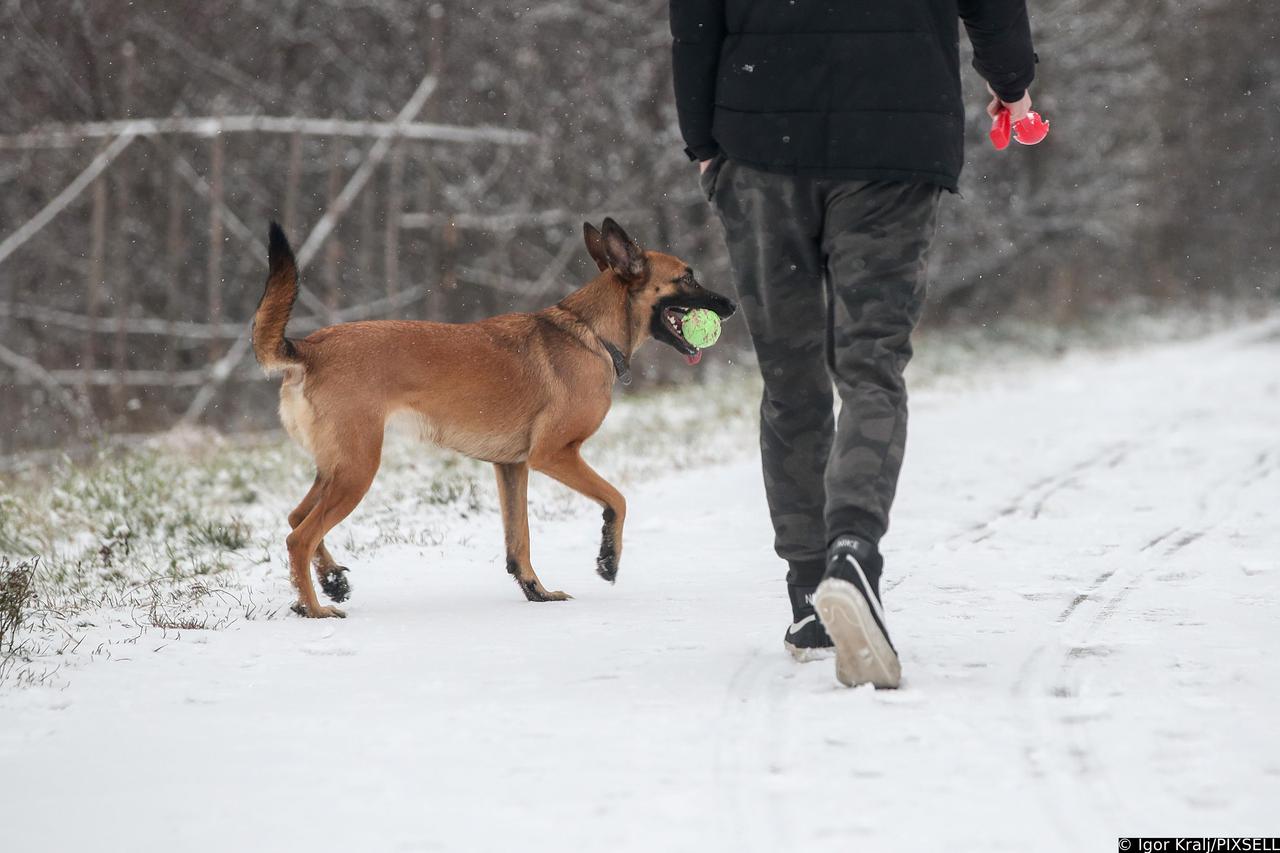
751, 742
1032, 500
1029, 504
1049, 675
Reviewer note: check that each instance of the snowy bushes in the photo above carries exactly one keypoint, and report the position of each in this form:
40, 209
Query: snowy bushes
16, 594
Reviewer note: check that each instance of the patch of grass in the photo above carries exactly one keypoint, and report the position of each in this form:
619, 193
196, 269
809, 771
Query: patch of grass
17, 598
17, 594
132, 539
197, 607
12, 536
231, 535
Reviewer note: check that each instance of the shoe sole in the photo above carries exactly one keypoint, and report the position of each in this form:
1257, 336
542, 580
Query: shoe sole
863, 653
809, 655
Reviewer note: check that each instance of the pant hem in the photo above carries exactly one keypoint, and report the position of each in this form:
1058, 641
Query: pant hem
857, 522
805, 572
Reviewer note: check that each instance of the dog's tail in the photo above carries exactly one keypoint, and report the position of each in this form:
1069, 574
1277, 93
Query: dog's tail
273, 349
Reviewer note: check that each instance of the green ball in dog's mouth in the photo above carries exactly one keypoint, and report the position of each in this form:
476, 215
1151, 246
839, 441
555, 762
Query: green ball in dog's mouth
700, 327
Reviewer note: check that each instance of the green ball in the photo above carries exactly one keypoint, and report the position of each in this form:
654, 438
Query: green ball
700, 327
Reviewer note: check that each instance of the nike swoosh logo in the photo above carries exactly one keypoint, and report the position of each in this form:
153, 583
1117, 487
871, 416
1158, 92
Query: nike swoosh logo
798, 625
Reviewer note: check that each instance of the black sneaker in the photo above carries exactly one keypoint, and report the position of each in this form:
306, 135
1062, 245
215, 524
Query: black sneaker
848, 603
806, 639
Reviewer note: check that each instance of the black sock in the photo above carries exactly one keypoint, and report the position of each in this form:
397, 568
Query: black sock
801, 601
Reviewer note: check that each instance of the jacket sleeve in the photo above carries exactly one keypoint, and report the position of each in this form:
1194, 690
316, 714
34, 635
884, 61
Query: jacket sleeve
1001, 37
697, 29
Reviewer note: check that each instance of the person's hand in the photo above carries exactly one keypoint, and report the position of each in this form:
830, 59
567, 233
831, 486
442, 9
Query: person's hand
1017, 110
703, 165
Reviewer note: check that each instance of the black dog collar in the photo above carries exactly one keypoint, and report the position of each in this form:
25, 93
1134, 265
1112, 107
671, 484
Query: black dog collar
620, 365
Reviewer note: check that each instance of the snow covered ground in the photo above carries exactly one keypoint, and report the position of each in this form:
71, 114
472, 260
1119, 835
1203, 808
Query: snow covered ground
1083, 578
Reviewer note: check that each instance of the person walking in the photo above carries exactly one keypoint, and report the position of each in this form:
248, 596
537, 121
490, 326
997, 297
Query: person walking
825, 132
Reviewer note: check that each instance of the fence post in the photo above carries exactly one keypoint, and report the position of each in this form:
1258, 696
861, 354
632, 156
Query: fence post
391, 226
95, 281
368, 246
448, 255
214, 272
290, 213
121, 281
173, 267
333, 249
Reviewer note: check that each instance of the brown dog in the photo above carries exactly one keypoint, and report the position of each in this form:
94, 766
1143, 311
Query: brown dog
520, 390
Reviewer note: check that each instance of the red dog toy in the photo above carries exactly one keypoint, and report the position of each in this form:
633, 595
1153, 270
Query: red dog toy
1028, 131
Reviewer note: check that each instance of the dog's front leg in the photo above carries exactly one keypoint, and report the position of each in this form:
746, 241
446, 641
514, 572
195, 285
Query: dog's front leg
513, 494
569, 468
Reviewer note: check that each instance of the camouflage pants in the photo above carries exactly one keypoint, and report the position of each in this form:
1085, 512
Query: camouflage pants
831, 275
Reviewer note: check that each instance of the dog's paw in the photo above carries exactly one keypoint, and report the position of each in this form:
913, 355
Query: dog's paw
317, 612
607, 566
535, 591
607, 561
335, 585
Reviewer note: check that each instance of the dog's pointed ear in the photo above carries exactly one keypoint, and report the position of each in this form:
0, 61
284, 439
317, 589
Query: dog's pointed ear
625, 256
595, 245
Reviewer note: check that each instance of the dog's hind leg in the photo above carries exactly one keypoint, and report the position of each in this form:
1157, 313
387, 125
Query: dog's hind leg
568, 467
513, 494
342, 490
332, 577
307, 504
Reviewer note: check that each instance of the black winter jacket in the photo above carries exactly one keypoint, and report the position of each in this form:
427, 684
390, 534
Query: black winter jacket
864, 89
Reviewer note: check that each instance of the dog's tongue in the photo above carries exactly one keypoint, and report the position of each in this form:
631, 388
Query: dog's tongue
695, 358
